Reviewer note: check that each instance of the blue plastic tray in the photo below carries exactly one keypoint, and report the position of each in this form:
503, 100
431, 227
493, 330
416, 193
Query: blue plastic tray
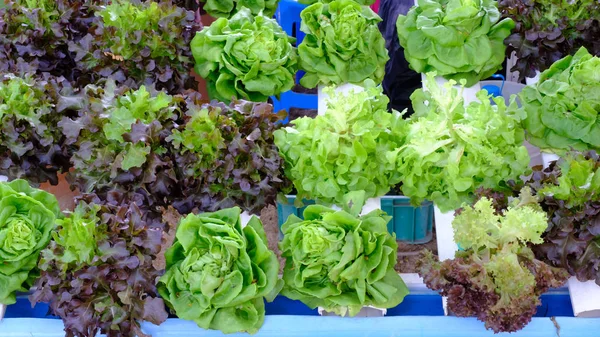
419, 315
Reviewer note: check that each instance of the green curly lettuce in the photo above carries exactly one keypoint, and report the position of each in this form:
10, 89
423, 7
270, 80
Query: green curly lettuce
451, 149
340, 262
459, 39
245, 57
218, 273
27, 219
563, 107
342, 45
496, 276
340, 157
227, 8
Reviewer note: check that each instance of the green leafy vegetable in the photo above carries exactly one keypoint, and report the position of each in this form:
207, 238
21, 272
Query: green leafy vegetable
27, 217
226, 156
340, 262
31, 144
98, 273
247, 57
497, 277
340, 157
227, 8
120, 138
570, 189
562, 109
218, 273
342, 44
451, 150
459, 39
360, 2
138, 43
548, 30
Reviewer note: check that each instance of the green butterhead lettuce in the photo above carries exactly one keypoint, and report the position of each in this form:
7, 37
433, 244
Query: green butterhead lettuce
219, 274
227, 8
342, 45
246, 57
340, 262
27, 218
340, 157
459, 39
451, 149
563, 108
360, 2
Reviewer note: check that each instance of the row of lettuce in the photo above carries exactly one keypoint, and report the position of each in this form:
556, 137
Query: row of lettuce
96, 91
159, 176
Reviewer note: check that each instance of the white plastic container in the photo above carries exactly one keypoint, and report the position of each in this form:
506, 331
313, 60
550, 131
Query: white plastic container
2, 311
548, 158
245, 218
533, 80
446, 245
371, 205
344, 88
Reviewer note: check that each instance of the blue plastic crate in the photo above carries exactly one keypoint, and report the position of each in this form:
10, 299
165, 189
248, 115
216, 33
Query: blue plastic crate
410, 224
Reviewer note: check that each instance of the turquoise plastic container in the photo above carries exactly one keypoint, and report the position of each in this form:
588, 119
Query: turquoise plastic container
410, 224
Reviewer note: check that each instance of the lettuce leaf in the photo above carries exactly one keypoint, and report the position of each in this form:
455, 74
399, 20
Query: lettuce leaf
451, 149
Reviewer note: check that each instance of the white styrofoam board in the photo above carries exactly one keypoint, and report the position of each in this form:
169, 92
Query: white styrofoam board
2, 311
343, 88
446, 245
512, 76
3, 178
585, 298
469, 94
367, 311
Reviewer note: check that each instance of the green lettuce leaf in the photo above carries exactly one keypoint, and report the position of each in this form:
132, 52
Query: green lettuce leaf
340, 262
458, 39
562, 109
227, 8
342, 44
246, 57
218, 273
451, 149
341, 157
27, 219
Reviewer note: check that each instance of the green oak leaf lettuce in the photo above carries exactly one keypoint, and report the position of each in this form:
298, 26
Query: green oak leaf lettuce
341, 157
342, 45
227, 8
27, 219
219, 274
340, 262
459, 39
451, 149
496, 276
120, 138
245, 57
563, 107
226, 156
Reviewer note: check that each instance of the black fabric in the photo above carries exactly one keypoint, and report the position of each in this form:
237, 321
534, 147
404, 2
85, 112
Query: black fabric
400, 81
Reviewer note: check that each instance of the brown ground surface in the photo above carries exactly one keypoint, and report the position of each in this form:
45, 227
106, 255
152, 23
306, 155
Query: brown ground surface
407, 253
